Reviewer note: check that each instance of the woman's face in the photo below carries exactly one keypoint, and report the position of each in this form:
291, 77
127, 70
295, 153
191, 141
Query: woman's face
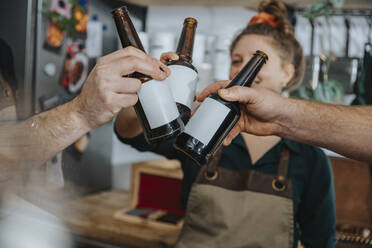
274, 75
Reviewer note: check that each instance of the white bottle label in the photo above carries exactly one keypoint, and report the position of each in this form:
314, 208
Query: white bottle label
158, 103
182, 82
206, 121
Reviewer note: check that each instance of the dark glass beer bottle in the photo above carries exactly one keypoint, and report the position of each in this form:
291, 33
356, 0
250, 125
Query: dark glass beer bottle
156, 109
215, 118
183, 78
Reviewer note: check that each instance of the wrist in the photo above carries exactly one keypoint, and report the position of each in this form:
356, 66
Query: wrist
285, 117
127, 124
80, 114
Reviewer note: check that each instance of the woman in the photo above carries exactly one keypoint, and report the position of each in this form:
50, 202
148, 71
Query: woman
308, 167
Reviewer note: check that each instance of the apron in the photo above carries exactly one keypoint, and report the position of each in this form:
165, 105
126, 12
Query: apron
232, 209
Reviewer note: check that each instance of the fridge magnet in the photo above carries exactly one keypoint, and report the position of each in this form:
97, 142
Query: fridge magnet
76, 66
80, 17
59, 21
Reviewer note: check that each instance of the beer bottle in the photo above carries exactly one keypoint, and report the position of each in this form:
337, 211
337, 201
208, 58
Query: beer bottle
183, 77
156, 109
215, 117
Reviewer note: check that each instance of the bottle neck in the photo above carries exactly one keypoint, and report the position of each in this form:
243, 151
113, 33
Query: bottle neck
186, 42
128, 36
247, 75
127, 33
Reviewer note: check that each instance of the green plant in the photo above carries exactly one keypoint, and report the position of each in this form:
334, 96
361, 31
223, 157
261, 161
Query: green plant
329, 91
322, 8
64, 23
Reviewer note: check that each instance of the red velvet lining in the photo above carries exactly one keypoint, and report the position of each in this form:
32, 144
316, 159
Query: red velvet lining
161, 193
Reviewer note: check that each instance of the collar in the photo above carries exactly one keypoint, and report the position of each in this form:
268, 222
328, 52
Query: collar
269, 157
293, 146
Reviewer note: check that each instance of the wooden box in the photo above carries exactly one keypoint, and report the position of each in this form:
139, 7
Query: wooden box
353, 189
155, 195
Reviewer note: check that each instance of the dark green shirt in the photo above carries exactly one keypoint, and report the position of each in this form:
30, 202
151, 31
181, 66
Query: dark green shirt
309, 170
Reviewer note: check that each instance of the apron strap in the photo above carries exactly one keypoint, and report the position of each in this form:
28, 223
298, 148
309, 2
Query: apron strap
212, 172
283, 164
279, 183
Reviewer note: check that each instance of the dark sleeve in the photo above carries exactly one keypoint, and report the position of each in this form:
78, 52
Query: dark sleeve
317, 215
164, 148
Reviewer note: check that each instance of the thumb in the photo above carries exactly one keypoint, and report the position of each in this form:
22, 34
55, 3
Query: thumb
238, 94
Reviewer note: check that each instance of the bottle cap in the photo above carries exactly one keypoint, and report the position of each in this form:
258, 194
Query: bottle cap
191, 20
258, 52
120, 11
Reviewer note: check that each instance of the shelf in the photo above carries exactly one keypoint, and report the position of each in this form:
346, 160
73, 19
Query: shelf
349, 4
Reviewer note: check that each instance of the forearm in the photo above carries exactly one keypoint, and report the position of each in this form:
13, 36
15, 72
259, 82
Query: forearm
127, 124
32, 142
344, 129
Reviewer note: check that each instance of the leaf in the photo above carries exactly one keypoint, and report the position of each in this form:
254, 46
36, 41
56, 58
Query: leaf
318, 9
326, 91
65, 24
337, 3
45, 5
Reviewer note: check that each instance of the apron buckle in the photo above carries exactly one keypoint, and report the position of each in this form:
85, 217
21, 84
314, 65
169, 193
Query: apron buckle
278, 185
211, 176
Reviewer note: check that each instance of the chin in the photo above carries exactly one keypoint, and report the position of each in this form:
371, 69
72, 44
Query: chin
260, 86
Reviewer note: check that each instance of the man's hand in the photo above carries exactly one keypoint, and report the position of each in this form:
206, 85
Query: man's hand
168, 56
260, 108
107, 90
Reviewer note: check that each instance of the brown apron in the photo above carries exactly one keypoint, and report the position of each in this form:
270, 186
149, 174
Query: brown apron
232, 209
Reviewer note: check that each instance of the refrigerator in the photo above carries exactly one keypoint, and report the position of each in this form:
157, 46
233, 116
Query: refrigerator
23, 26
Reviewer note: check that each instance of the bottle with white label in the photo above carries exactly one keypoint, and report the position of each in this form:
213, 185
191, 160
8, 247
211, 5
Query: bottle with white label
183, 77
215, 118
156, 109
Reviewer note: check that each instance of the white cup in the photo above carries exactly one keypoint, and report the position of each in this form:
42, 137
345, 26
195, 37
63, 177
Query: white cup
160, 43
145, 40
221, 58
199, 49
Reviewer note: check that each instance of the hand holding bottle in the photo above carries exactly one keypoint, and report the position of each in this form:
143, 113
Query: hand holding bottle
216, 117
106, 91
156, 109
168, 56
259, 108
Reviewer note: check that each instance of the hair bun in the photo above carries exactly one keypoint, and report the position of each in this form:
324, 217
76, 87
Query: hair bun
278, 9
274, 7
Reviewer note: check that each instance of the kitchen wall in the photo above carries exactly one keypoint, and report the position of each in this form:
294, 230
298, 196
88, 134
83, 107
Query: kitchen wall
225, 21
331, 35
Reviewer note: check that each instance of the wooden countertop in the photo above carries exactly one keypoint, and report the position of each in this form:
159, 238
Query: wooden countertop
92, 217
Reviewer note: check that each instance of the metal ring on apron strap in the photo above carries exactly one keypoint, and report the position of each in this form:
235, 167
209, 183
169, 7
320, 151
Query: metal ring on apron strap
211, 177
278, 185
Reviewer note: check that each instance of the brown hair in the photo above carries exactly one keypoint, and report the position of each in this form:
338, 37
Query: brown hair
282, 38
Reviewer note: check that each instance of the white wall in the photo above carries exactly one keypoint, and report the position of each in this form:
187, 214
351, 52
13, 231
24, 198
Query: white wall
227, 21
122, 158
211, 20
